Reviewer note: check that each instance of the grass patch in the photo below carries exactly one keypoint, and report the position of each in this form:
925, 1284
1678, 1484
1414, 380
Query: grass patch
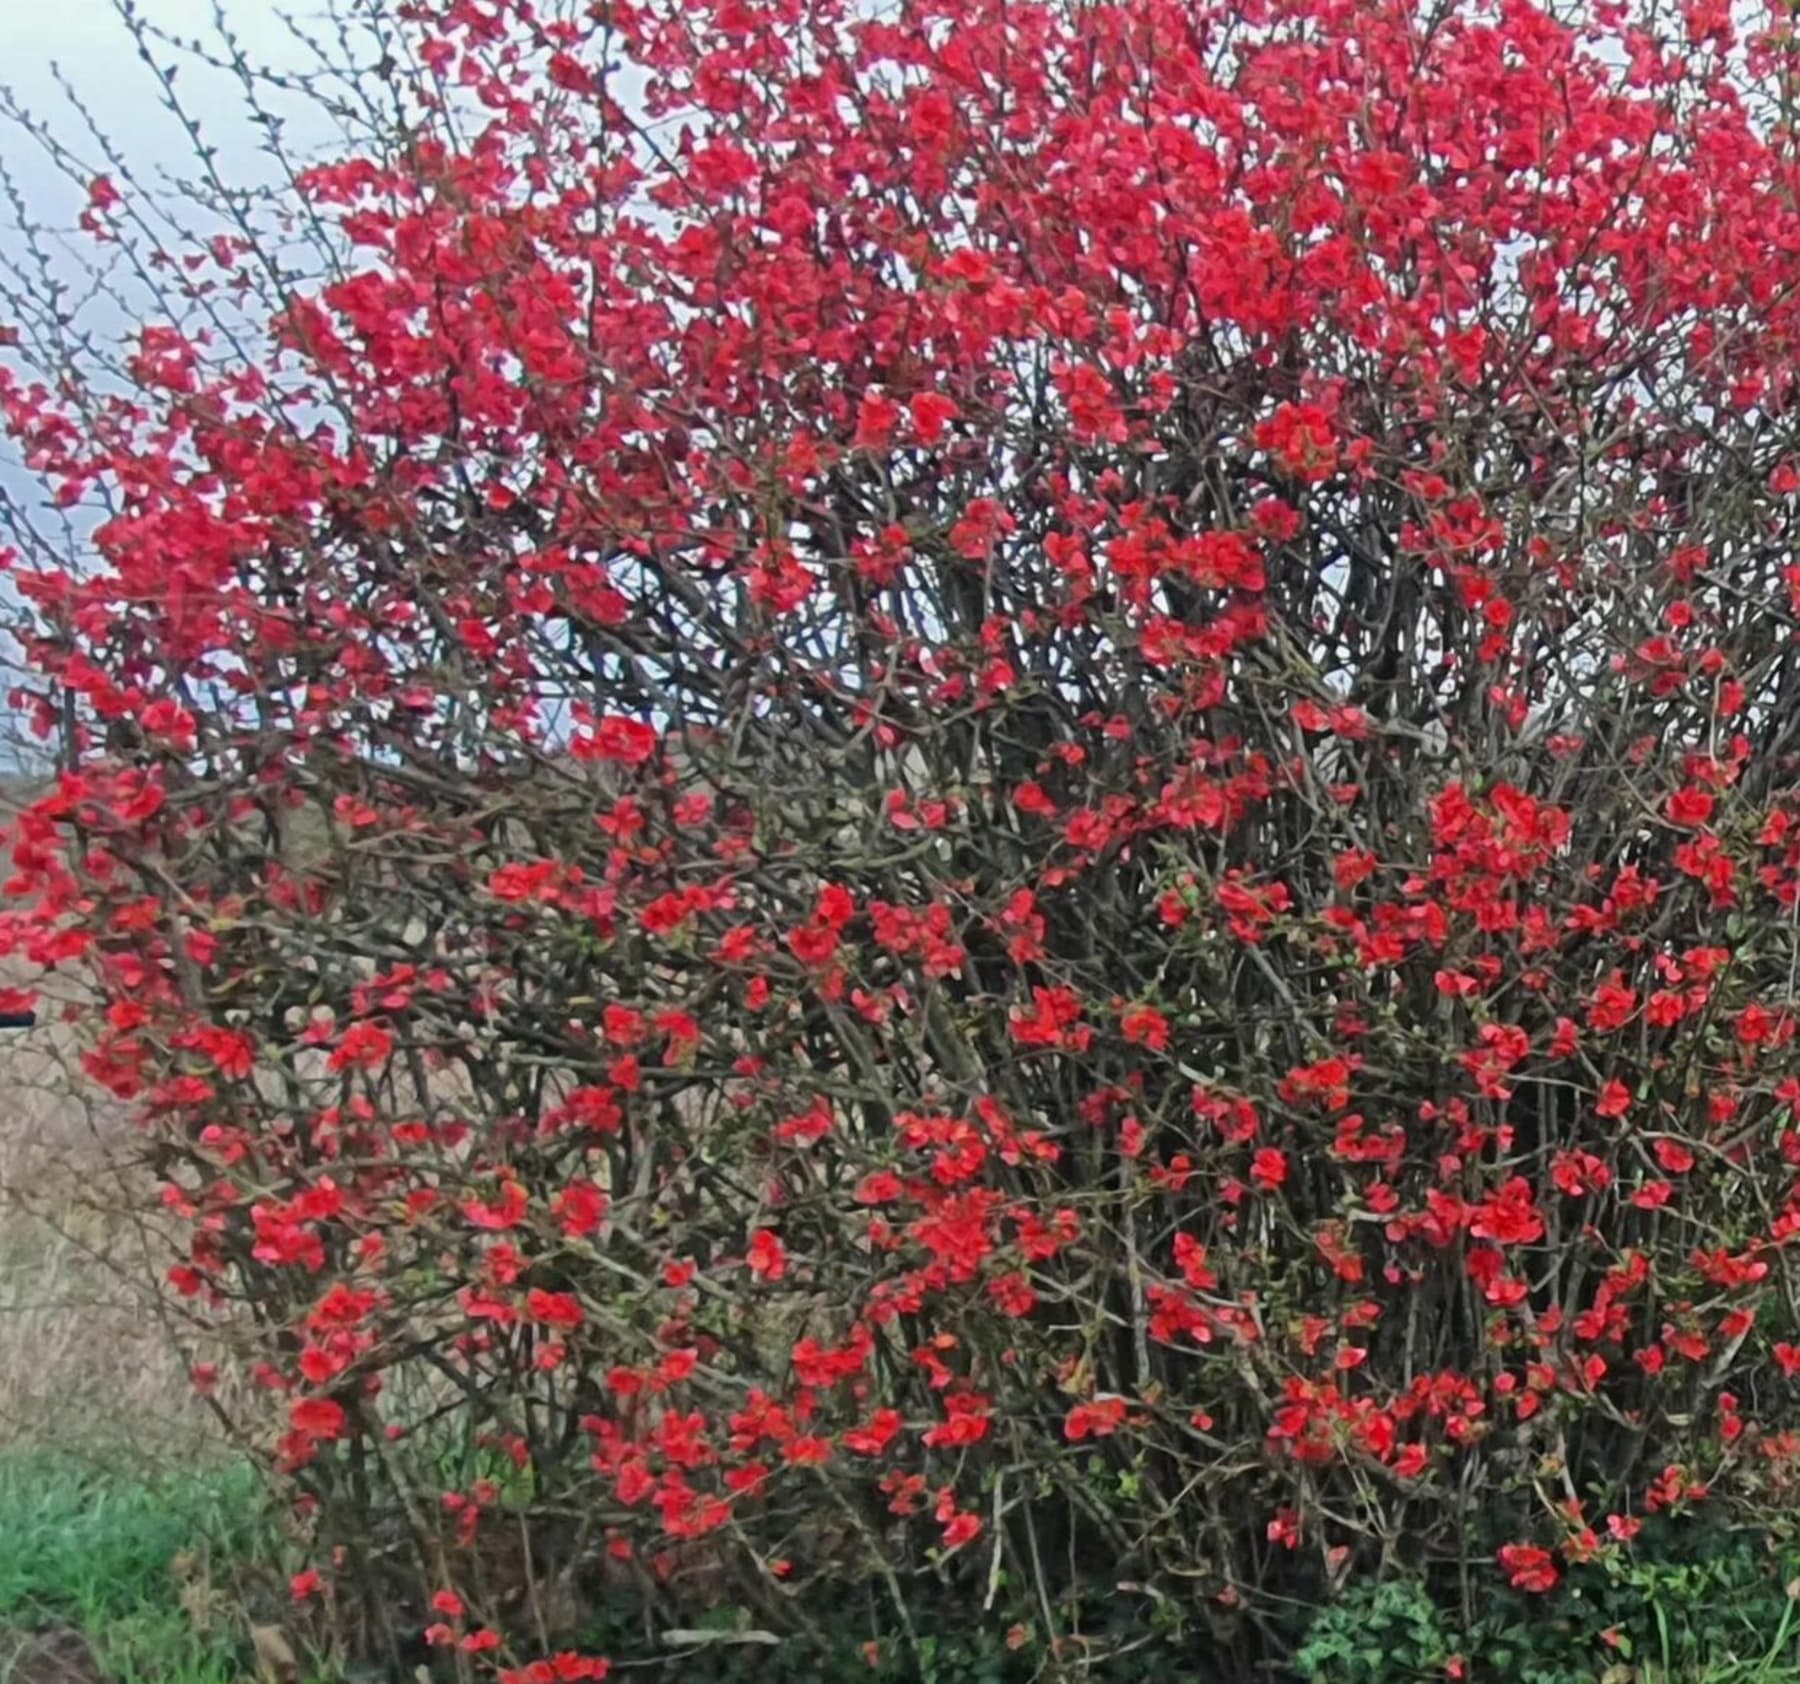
132, 1562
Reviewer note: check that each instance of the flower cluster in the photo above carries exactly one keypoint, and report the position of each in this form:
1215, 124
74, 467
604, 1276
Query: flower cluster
966, 794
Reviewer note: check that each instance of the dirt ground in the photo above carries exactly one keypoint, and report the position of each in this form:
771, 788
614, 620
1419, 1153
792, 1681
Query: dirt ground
53, 1657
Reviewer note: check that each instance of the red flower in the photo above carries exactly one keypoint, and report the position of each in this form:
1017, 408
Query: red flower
961, 1528
1094, 1420
872, 1438
1529, 1567
814, 944
1614, 1100
364, 1046
554, 1309
1690, 807
931, 413
967, 1420
958, 1524
317, 1417
627, 742
1145, 1026
565, 1668
1052, 1020
766, 1255
1269, 1169
1612, 1005
1674, 1157
1301, 438
1508, 1217
507, 1210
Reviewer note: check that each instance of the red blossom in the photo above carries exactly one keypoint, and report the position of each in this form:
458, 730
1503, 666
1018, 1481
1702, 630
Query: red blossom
318, 1417
1529, 1567
766, 1255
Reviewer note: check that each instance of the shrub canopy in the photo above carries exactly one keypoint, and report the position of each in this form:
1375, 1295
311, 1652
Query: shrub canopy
965, 800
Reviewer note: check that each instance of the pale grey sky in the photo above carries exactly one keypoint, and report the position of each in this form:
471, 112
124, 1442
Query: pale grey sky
93, 49
113, 118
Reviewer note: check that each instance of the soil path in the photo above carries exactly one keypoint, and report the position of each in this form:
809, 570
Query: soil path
47, 1657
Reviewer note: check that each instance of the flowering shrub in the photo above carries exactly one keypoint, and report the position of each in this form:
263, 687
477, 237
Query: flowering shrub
966, 797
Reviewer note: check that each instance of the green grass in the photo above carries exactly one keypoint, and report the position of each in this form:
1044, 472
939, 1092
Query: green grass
150, 1570
130, 1561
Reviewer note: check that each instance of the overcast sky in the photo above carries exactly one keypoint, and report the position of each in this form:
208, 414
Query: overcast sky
86, 39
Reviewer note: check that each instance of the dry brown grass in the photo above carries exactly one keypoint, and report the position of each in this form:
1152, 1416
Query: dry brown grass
84, 1354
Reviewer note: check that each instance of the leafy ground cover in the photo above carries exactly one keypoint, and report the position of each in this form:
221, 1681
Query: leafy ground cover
122, 1576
